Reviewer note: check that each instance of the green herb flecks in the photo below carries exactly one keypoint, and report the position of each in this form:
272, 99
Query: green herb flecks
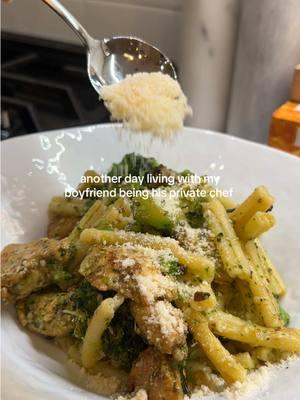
120, 342
170, 266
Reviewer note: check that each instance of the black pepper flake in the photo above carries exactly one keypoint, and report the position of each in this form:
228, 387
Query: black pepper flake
200, 296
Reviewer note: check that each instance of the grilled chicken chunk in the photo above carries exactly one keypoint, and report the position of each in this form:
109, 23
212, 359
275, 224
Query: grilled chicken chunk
135, 273
26, 268
130, 271
161, 324
154, 372
49, 314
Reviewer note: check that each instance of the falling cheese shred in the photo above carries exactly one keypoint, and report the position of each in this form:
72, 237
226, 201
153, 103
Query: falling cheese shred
147, 102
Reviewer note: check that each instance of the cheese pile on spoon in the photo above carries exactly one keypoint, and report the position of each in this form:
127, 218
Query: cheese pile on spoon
147, 102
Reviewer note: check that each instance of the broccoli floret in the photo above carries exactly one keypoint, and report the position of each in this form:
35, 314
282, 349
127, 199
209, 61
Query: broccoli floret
85, 300
60, 276
120, 342
86, 297
186, 172
138, 165
133, 164
192, 208
162, 172
81, 324
148, 212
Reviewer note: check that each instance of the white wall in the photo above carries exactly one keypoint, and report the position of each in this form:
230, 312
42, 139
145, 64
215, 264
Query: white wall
268, 50
208, 43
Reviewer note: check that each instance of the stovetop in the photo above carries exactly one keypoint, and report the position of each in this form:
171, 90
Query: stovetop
45, 86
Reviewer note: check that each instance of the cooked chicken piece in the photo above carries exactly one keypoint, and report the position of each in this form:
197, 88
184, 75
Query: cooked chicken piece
161, 324
26, 268
49, 314
98, 268
59, 227
155, 373
135, 273
129, 270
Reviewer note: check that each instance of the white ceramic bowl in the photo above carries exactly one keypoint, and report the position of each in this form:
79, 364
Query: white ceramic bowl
36, 167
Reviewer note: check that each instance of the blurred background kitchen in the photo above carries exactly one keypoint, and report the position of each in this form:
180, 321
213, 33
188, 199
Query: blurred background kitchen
235, 60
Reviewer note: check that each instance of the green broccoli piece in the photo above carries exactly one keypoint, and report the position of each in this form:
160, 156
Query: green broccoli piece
162, 173
81, 324
133, 164
162, 214
186, 172
192, 208
60, 276
120, 343
86, 297
149, 213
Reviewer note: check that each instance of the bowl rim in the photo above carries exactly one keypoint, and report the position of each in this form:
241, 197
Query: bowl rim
218, 134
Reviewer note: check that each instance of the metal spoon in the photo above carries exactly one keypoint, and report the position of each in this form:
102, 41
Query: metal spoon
110, 60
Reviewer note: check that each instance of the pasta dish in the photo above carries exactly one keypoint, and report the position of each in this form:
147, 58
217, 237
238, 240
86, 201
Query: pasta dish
154, 297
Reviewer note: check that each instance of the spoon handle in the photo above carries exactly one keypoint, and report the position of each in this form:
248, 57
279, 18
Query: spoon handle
56, 6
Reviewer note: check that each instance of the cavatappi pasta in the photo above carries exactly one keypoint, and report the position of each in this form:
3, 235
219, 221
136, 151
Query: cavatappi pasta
154, 296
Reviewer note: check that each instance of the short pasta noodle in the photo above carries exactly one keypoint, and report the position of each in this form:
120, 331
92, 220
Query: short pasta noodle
154, 296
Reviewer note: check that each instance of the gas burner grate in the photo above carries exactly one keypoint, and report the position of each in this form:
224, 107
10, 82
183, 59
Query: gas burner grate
45, 86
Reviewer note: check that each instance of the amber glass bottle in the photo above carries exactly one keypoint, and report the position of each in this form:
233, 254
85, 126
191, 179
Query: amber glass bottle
285, 127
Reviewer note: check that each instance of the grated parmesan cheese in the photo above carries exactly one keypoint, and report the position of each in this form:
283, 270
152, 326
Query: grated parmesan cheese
128, 262
140, 395
153, 286
147, 102
145, 272
169, 204
169, 318
196, 240
255, 385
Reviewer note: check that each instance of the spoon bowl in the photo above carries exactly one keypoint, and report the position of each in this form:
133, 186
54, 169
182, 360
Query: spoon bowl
110, 60
129, 55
